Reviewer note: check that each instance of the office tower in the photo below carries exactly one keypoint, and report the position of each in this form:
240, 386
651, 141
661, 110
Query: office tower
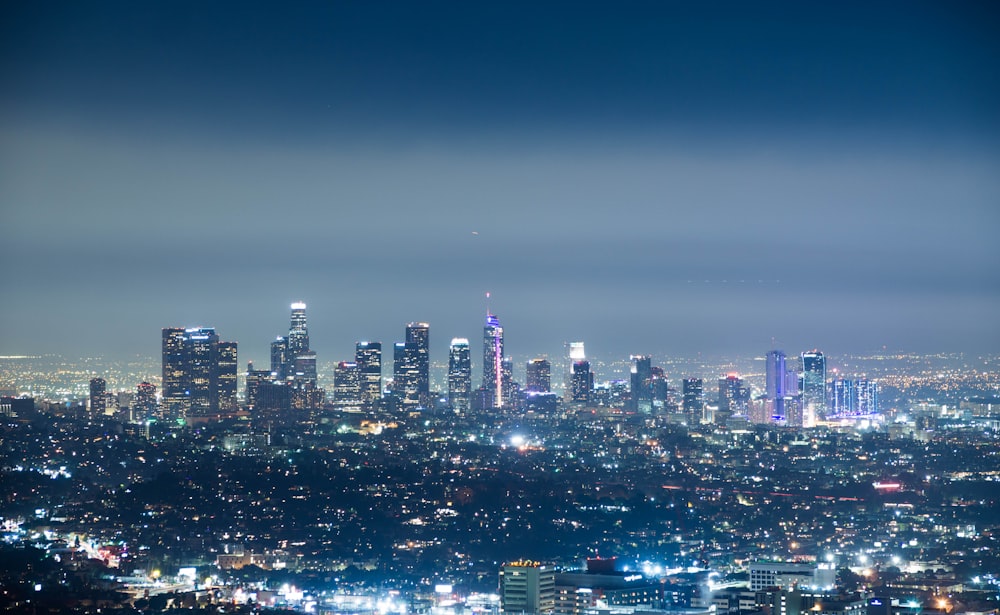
98, 396
347, 384
539, 376
776, 382
279, 357
814, 383
693, 403
406, 374
576, 352
459, 374
418, 336
368, 356
227, 377
510, 389
144, 406
199, 373
867, 396
581, 382
304, 369
255, 379
659, 389
527, 587
173, 372
493, 360
298, 333
734, 396
842, 396
640, 384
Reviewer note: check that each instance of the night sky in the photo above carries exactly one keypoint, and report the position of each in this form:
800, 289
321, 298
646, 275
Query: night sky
647, 177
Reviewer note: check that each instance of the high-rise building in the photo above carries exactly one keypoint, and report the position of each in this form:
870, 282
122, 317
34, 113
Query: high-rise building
538, 376
368, 356
199, 373
347, 385
228, 369
174, 366
459, 374
279, 357
854, 397
527, 587
694, 400
581, 382
406, 374
734, 396
867, 396
255, 379
418, 337
98, 396
640, 384
814, 383
776, 381
493, 360
298, 333
144, 407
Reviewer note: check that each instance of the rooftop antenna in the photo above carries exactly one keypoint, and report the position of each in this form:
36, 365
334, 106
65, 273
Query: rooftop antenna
488, 303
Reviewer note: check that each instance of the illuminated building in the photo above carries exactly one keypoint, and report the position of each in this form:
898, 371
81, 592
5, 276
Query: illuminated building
347, 384
493, 360
255, 378
693, 403
279, 357
199, 373
298, 333
144, 407
98, 396
814, 383
368, 356
776, 383
527, 587
640, 384
405, 374
173, 363
459, 374
854, 397
581, 382
227, 366
734, 396
539, 376
418, 339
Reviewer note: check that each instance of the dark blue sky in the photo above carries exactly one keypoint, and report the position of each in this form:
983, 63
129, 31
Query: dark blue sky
647, 177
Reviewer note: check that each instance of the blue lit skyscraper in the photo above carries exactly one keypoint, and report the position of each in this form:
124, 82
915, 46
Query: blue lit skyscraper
776, 382
814, 383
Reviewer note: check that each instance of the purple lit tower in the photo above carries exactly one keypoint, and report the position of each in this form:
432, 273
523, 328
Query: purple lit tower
776, 383
493, 360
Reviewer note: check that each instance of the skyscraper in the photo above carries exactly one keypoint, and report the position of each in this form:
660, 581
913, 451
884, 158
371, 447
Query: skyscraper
734, 396
144, 406
347, 385
279, 357
199, 373
581, 382
298, 333
459, 374
539, 376
814, 383
694, 400
776, 375
368, 356
418, 337
98, 396
640, 384
493, 360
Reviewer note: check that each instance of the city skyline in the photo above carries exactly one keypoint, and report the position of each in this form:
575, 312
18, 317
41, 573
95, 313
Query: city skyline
654, 178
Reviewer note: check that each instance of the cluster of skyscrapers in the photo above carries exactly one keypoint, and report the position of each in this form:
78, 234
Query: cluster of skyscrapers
199, 381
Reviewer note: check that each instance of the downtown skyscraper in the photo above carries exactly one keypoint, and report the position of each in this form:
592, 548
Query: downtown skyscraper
493, 369
368, 356
199, 373
814, 383
459, 375
411, 366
